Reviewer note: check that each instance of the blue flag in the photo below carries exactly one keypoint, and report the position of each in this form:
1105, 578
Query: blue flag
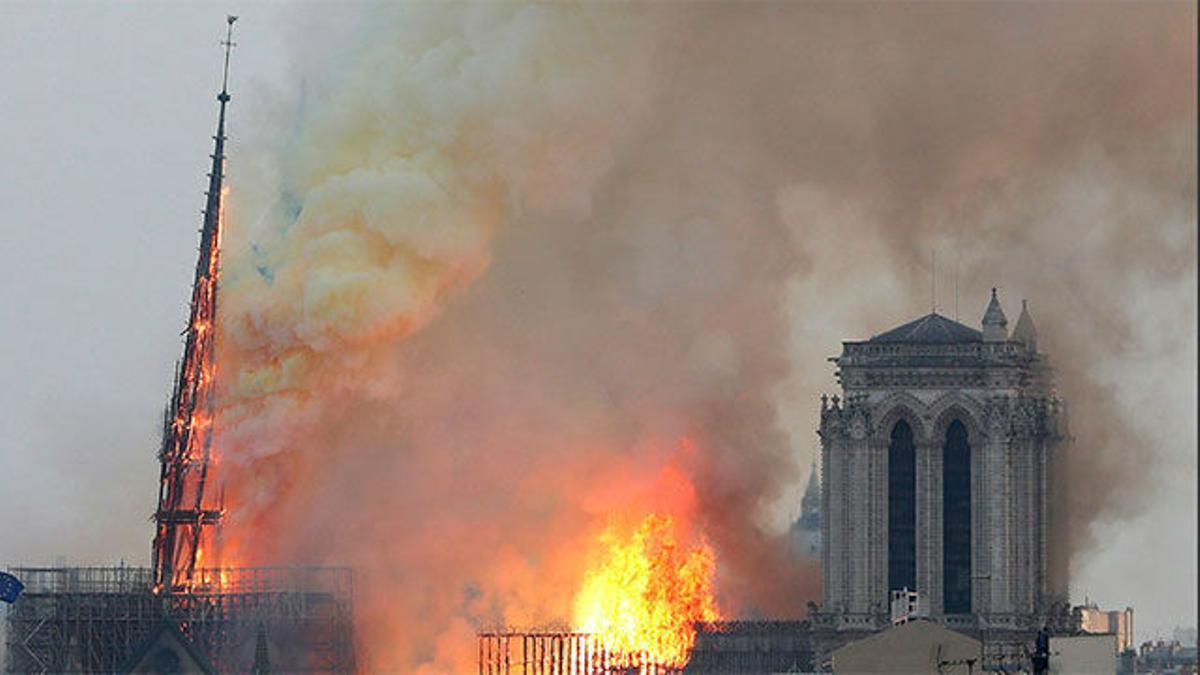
10, 587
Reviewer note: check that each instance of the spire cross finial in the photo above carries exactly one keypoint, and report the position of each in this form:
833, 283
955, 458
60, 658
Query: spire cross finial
229, 44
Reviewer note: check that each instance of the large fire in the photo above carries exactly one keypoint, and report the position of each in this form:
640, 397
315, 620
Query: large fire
645, 592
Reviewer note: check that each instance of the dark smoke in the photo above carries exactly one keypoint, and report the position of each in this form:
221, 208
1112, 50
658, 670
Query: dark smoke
782, 189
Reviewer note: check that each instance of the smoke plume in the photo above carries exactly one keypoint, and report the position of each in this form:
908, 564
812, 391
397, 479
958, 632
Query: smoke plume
522, 268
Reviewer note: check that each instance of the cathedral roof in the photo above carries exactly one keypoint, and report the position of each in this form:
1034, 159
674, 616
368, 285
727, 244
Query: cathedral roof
930, 329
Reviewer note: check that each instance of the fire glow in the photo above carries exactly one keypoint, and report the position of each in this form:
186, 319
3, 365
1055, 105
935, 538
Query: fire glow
645, 593
649, 577
185, 507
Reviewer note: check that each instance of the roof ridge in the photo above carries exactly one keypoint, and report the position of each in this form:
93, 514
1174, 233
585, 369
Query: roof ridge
930, 328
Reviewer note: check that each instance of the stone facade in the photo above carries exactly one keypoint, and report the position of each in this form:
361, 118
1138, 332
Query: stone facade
930, 374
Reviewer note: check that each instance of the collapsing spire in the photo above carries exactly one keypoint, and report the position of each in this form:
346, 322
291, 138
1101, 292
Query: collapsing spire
185, 509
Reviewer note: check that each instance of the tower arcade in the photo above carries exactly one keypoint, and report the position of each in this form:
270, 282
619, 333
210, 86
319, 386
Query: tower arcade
937, 466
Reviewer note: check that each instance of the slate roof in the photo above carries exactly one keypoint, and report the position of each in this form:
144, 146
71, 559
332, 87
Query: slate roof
930, 329
168, 638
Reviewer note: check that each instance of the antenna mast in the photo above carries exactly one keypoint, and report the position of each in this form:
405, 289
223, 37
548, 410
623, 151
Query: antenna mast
933, 281
956, 266
185, 510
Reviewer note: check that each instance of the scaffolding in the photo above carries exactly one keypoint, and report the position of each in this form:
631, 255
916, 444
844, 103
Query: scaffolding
92, 619
559, 653
721, 647
745, 646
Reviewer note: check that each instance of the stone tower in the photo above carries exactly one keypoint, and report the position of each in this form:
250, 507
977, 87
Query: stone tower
938, 467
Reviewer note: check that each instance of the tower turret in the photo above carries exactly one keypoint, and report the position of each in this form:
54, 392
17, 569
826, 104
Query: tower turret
995, 325
1025, 331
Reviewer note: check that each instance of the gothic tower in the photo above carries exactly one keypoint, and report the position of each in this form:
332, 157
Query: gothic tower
938, 464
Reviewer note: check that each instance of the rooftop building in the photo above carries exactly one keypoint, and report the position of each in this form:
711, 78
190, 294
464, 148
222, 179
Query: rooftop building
1116, 622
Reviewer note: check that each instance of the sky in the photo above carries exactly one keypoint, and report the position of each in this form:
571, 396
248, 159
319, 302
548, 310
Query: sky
107, 121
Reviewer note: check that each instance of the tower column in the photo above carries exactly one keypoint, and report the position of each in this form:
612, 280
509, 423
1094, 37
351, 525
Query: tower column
862, 521
1000, 518
1025, 580
832, 524
878, 575
929, 523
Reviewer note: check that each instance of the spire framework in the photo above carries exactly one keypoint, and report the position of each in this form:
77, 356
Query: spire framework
186, 508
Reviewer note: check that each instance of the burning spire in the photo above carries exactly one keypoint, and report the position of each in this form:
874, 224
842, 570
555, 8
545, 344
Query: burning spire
185, 506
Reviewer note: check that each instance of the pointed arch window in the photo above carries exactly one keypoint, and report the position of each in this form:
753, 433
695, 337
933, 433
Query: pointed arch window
956, 520
902, 509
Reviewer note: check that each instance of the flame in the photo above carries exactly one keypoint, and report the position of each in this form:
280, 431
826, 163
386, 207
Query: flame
643, 597
182, 549
197, 580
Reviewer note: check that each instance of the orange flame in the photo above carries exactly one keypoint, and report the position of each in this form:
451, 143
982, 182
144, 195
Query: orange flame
644, 595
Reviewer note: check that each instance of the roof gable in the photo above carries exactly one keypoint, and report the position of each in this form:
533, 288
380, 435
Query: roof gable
930, 329
167, 650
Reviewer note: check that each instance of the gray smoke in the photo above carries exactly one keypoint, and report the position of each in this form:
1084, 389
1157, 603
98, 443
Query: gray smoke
662, 239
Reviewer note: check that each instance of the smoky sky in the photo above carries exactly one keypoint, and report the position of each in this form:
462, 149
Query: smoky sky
777, 182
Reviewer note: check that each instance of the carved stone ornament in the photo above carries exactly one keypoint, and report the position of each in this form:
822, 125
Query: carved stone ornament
858, 426
996, 415
1025, 419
